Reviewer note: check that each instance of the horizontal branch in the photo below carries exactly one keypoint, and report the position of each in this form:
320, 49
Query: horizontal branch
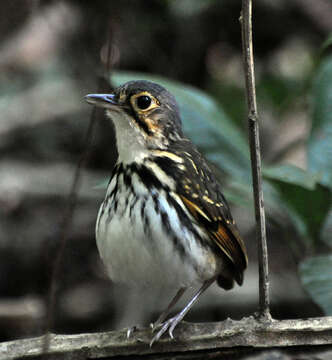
247, 332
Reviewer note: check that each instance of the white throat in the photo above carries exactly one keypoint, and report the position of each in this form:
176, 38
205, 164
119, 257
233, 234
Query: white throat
130, 142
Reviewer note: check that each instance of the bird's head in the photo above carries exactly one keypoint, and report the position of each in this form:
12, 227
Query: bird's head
145, 115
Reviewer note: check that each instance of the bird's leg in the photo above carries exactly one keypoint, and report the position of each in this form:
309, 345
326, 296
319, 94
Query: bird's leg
171, 323
165, 313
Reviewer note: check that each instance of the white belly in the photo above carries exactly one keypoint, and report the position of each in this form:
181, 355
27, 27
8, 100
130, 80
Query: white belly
143, 254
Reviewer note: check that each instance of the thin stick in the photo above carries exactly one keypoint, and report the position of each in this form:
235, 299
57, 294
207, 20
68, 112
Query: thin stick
248, 63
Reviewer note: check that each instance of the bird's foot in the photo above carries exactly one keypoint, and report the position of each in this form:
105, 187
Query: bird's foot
169, 325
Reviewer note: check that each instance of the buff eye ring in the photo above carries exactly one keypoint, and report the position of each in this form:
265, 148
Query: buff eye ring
143, 102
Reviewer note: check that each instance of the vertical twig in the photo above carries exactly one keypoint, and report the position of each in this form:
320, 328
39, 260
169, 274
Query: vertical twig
248, 63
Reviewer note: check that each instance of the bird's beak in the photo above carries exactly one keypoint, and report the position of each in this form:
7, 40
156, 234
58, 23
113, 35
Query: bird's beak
102, 100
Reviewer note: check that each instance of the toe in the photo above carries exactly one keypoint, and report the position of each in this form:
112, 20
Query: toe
172, 327
160, 333
154, 339
130, 331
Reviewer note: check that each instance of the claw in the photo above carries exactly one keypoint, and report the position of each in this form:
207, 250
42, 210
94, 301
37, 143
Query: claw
130, 331
155, 338
171, 329
159, 333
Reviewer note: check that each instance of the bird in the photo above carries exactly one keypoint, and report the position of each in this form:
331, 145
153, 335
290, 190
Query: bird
164, 220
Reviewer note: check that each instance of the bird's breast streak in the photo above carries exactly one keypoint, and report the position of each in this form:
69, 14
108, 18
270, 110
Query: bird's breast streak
143, 242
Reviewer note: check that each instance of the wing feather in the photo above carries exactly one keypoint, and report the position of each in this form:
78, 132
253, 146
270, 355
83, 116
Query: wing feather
201, 195
224, 235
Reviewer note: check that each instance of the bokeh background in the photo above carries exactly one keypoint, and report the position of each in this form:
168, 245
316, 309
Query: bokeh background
52, 53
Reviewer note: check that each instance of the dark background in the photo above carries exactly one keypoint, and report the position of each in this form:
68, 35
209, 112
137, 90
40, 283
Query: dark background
52, 53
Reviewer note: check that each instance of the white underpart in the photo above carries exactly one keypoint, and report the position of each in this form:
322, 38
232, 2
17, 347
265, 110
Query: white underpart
130, 141
133, 258
129, 254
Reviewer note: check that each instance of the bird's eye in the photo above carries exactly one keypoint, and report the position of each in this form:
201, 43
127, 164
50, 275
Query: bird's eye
143, 102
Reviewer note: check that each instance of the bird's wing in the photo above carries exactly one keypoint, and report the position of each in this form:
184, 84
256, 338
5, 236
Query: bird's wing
224, 233
203, 198
201, 195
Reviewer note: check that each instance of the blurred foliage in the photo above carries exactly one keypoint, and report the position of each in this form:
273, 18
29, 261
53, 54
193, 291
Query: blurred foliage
320, 139
292, 175
50, 56
316, 272
316, 277
327, 43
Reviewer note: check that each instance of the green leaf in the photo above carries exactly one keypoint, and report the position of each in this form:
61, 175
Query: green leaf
307, 208
240, 194
320, 140
327, 229
316, 277
292, 175
278, 91
205, 123
327, 43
